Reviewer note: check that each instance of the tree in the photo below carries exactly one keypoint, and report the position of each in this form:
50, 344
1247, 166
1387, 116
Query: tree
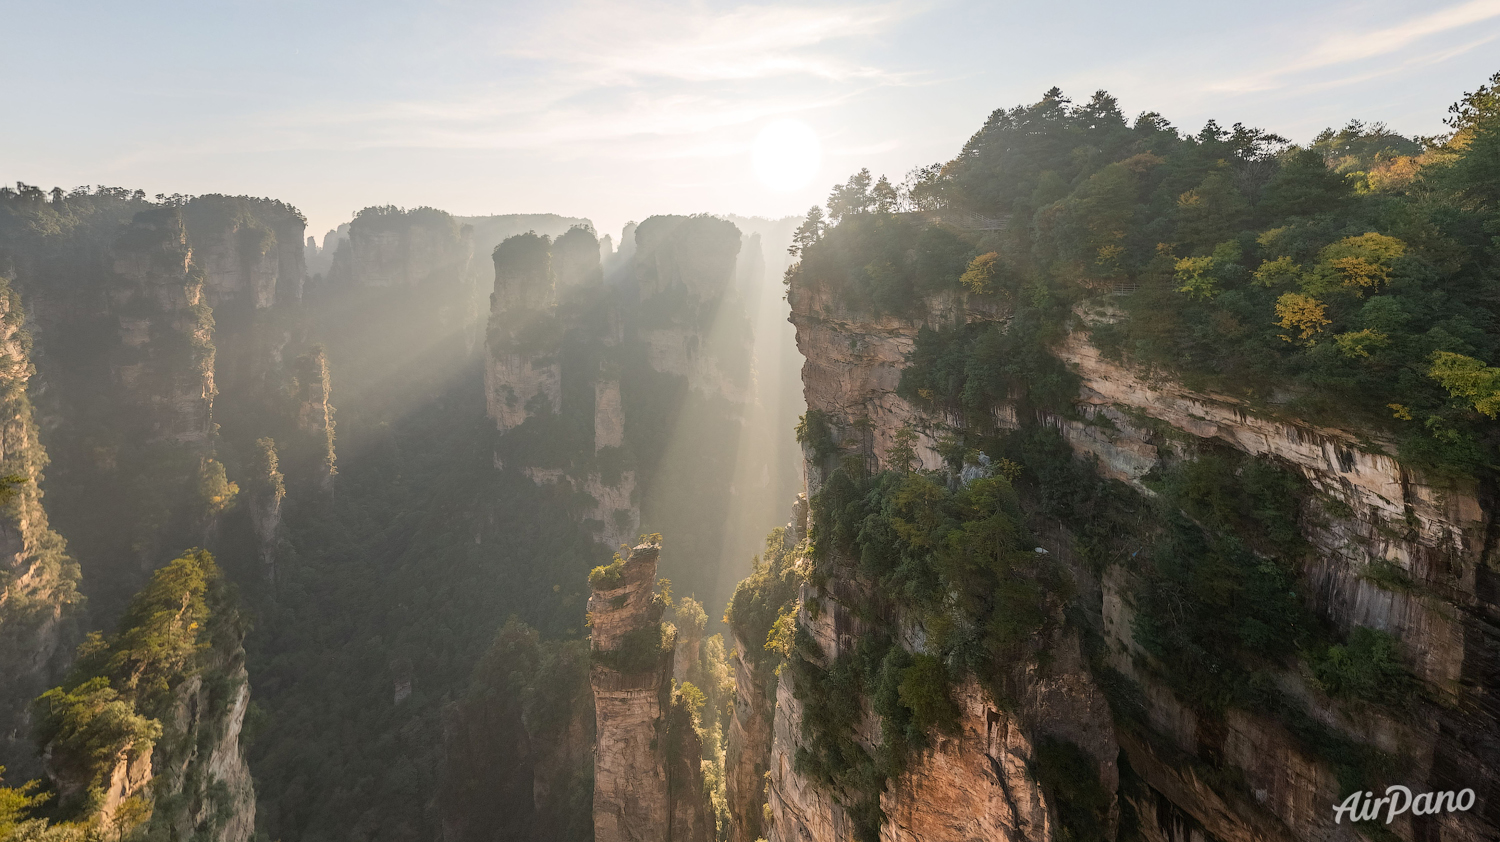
809, 232
854, 196
980, 277
885, 196
903, 452
1304, 186
1466, 377
1304, 313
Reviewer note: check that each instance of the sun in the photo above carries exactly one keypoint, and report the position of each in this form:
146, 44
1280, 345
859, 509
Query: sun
786, 154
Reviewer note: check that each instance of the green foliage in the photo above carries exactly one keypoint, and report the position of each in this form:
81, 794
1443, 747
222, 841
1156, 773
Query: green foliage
89, 727
1368, 668
607, 577
815, 433
215, 490
121, 689
1070, 778
1206, 235
962, 560
1208, 604
639, 650
973, 367
761, 601
884, 263
924, 690
16, 804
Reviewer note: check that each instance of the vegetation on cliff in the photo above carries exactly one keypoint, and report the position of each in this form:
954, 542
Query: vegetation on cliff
125, 706
1350, 279
1348, 282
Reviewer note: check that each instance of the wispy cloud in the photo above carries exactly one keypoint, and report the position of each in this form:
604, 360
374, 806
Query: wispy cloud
610, 43
1356, 46
639, 82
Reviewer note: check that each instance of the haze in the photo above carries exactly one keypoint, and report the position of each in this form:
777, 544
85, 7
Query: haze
614, 111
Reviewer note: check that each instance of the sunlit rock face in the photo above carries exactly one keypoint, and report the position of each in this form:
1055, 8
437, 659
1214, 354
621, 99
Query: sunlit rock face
974, 785
39, 598
648, 784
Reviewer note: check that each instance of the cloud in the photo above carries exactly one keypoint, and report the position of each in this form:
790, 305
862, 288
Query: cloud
1351, 47
638, 82
610, 43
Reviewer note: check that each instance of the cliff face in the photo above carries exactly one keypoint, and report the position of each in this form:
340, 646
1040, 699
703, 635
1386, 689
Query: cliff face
1391, 550
250, 250
202, 782
392, 248
39, 597
648, 784
139, 740
166, 355
522, 375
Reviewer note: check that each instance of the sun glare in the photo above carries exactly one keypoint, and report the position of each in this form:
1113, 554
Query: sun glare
786, 154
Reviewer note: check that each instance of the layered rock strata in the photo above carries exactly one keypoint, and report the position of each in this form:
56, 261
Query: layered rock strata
39, 598
648, 784
1384, 515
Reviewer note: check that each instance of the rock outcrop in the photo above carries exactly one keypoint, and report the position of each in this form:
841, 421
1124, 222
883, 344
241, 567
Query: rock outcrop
250, 250
390, 247
648, 784
1393, 550
523, 375
166, 356
39, 597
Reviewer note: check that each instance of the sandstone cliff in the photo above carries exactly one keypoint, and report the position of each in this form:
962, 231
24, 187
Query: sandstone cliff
144, 734
1392, 550
648, 784
39, 598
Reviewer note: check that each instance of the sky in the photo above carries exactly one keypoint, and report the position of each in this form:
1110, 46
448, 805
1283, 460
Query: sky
619, 110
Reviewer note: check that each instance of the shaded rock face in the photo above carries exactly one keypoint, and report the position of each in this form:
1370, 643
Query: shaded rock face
195, 783
166, 358
609, 415
405, 249
748, 749
314, 412
1437, 534
206, 786
250, 250
648, 784
39, 597
975, 783
522, 374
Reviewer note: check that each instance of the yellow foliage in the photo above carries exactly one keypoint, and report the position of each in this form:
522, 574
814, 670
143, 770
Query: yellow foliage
1362, 262
1466, 377
1360, 342
1394, 174
1193, 275
1304, 313
979, 278
1400, 411
1358, 272
1109, 256
1277, 272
